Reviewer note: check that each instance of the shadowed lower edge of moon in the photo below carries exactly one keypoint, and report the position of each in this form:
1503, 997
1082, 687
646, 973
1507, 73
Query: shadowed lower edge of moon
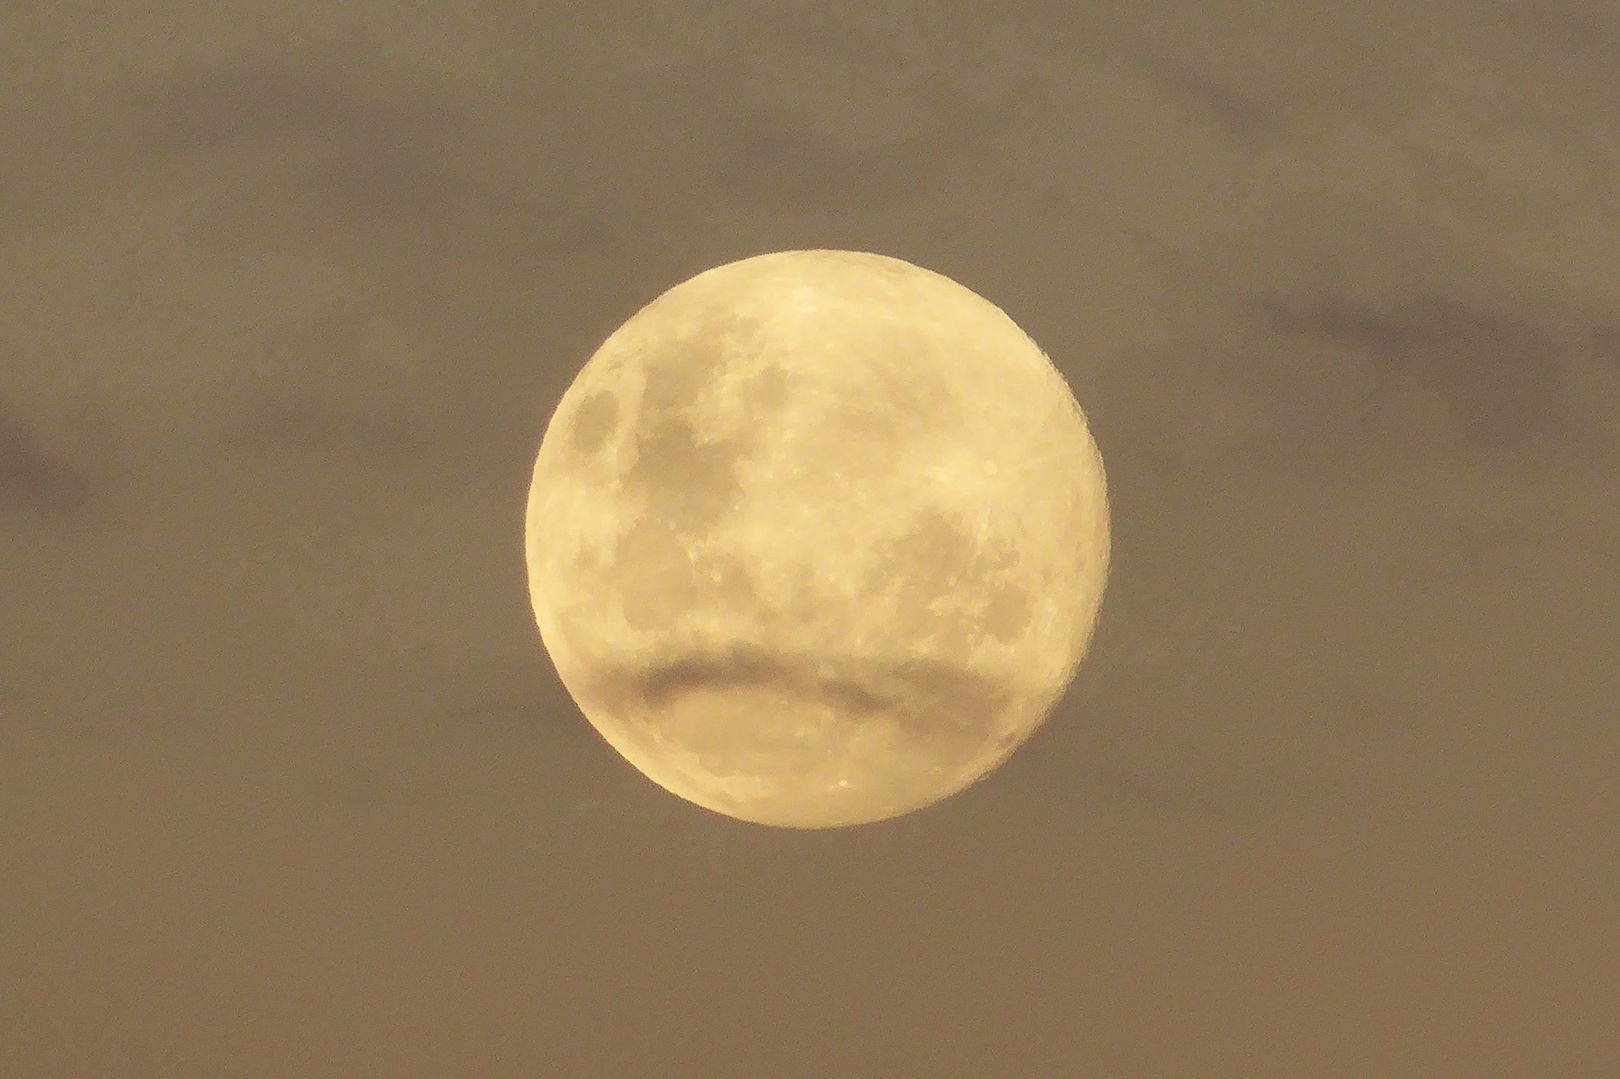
892, 736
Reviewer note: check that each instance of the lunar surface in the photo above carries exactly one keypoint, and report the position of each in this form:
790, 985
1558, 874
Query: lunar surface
817, 538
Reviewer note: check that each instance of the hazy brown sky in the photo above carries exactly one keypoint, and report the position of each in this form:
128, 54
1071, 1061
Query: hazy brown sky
288, 787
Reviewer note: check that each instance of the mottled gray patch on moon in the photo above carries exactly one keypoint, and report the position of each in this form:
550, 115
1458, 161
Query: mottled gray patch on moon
1007, 613
767, 389
651, 562
594, 421
684, 481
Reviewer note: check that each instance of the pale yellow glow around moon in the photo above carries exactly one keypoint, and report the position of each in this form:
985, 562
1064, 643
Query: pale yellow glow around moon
817, 538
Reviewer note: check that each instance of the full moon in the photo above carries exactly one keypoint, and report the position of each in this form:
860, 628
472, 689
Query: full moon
817, 538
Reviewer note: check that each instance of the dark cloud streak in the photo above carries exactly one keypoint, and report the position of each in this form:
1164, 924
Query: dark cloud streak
1240, 114
336, 429
1509, 386
37, 480
255, 101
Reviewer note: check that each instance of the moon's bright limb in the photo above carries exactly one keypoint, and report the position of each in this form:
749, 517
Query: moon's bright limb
817, 538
